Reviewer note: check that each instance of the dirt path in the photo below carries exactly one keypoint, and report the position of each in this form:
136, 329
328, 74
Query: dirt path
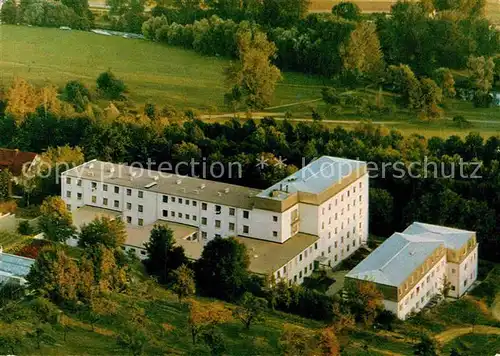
450, 334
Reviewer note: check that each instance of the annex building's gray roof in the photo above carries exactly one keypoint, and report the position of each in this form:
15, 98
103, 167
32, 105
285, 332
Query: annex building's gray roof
314, 178
397, 257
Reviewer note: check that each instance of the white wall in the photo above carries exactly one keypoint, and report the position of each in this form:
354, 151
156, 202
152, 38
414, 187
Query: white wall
462, 276
423, 291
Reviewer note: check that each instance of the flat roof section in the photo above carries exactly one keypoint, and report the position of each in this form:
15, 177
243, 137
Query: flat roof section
266, 256
137, 236
165, 183
87, 213
453, 238
316, 177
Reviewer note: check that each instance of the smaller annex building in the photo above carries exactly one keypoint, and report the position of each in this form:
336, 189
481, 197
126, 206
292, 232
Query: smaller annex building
412, 267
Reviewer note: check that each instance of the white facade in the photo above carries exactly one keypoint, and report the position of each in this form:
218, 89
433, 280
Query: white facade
339, 218
462, 275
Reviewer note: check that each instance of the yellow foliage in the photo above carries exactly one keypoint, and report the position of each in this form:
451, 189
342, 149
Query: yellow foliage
22, 99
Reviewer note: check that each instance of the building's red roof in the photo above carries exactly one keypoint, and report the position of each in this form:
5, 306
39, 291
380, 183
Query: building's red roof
14, 160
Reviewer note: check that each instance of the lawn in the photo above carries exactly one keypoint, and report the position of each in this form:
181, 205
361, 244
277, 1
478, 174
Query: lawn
474, 344
153, 72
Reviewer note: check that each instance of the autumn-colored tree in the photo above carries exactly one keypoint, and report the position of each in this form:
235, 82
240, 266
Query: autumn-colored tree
250, 309
205, 315
297, 340
184, 284
253, 78
54, 274
364, 300
342, 318
481, 71
108, 274
103, 230
71, 156
97, 307
444, 78
362, 54
86, 278
55, 220
22, 99
328, 343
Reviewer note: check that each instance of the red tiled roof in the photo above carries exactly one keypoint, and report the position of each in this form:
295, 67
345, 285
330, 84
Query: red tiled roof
14, 160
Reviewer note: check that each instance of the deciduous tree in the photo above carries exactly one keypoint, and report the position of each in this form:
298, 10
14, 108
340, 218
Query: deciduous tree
55, 220
250, 309
222, 270
253, 78
203, 316
103, 230
184, 284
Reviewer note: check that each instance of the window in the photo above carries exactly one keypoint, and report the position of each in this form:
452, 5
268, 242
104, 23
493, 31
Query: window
231, 226
143, 252
275, 218
275, 233
300, 274
129, 192
305, 270
232, 211
218, 209
172, 214
329, 249
246, 229
129, 219
165, 198
173, 199
335, 244
129, 206
186, 216
217, 224
117, 190
246, 214
105, 187
329, 234
104, 201
336, 258
217, 235
140, 194
203, 206
179, 215
204, 235
187, 201
79, 196
79, 183
453, 270
453, 288
68, 206
194, 217
194, 203
140, 222
116, 203
354, 243
94, 199
180, 200
68, 180
140, 208
68, 194
165, 213
203, 221
300, 257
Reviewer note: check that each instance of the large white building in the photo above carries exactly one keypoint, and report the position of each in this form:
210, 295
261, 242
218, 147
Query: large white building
317, 216
412, 267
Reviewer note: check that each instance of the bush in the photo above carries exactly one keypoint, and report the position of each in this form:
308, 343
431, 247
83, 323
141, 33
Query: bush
77, 94
461, 122
53, 14
24, 228
110, 86
9, 12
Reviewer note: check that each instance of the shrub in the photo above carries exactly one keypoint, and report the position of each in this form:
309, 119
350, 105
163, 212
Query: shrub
461, 121
24, 228
110, 86
9, 12
77, 94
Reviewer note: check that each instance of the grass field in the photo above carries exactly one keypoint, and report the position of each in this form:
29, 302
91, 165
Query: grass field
153, 72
